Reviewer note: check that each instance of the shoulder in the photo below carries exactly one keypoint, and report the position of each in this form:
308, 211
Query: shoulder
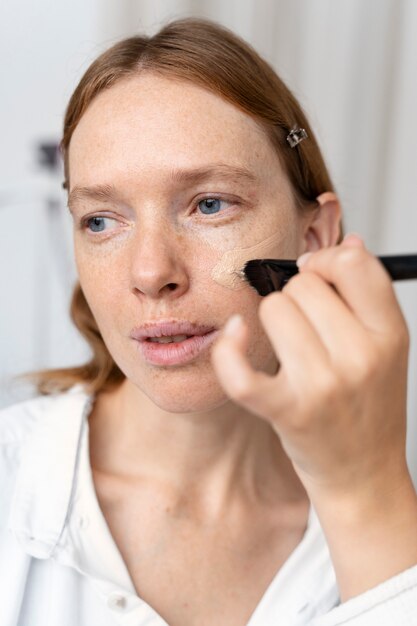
17, 424
18, 420
34, 434
38, 417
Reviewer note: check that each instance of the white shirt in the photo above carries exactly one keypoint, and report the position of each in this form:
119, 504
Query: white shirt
59, 564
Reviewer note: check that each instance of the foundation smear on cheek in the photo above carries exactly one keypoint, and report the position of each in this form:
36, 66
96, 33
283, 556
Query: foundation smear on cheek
228, 271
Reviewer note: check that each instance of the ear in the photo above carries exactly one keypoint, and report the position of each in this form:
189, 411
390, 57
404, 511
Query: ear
321, 227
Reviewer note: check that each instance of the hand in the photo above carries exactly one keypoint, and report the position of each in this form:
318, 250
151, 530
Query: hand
338, 400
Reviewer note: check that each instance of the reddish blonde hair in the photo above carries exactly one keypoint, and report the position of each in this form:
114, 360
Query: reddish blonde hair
209, 55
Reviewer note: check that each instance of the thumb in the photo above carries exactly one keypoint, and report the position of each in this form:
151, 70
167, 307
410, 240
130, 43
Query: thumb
248, 387
229, 354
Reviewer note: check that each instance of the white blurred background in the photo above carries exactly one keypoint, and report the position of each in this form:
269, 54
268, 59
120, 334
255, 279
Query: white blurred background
351, 63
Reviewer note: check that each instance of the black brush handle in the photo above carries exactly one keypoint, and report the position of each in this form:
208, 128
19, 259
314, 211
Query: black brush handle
401, 266
267, 275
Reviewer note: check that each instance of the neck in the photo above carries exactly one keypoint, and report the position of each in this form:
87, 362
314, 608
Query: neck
208, 459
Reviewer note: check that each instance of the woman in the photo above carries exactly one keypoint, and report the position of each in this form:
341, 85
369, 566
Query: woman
252, 473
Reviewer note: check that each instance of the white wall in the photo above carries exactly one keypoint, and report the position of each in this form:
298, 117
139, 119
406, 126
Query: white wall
44, 47
352, 65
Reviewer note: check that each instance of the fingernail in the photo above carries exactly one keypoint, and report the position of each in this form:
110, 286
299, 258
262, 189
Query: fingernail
232, 324
303, 258
352, 234
354, 239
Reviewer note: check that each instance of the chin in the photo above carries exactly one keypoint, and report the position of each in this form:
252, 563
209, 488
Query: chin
178, 401
177, 394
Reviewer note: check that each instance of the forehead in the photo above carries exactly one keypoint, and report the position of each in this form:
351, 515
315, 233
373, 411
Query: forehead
150, 122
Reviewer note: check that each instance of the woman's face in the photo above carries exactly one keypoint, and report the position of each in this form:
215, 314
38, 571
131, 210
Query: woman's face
158, 228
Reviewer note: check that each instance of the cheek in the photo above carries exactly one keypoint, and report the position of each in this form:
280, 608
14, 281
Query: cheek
114, 266
106, 277
103, 286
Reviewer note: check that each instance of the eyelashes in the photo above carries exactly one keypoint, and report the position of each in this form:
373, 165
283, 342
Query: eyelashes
214, 200
95, 224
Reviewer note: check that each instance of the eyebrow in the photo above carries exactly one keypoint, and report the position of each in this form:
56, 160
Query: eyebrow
221, 171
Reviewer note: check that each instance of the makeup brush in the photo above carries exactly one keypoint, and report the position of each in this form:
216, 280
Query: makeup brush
267, 275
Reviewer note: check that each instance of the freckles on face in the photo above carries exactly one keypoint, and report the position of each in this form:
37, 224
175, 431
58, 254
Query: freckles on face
134, 138
189, 388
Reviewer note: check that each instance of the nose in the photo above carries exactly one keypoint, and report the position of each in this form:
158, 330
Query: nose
158, 263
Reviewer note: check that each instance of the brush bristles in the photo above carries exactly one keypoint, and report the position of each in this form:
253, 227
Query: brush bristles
268, 275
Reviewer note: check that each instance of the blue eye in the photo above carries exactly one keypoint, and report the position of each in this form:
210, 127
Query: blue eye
211, 204
97, 224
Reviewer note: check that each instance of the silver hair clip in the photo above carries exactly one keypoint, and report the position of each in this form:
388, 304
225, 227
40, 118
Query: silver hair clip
296, 135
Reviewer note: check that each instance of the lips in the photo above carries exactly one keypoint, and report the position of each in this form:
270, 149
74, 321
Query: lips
169, 328
199, 339
176, 353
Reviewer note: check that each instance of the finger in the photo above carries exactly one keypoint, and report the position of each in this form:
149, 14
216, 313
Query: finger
339, 330
297, 344
353, 240
254, 390
362, 282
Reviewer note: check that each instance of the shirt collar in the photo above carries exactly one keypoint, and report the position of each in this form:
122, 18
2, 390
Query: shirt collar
55, 511
47, 474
